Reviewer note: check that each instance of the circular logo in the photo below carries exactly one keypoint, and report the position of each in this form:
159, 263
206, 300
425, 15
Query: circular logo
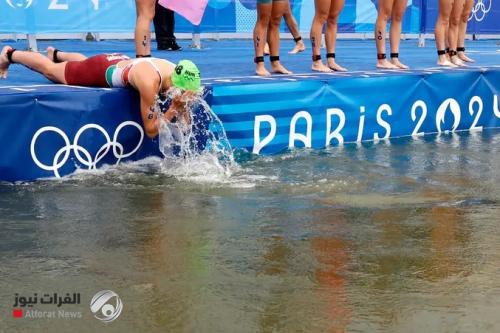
19, 3
106, 306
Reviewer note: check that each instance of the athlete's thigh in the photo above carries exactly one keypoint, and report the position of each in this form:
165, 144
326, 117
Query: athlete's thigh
468, 7
457, 9
385, 6
322, 7
57, 72
336, 7
445, 7
279, 7
399, 7
145, 7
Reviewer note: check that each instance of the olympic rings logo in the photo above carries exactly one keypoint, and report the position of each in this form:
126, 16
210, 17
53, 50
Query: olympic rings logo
89, 161
480, 9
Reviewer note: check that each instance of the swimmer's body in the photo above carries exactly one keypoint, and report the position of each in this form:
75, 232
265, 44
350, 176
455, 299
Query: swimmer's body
149, 76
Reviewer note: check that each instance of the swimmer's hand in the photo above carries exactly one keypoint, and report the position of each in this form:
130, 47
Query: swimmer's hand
187, 96
179, 109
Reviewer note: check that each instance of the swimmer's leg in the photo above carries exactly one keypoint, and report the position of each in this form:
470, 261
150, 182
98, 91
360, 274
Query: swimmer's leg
38, 63
60, 56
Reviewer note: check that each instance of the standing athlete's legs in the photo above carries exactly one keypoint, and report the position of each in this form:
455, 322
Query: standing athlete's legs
264, 9
384, 14
442, 24
33, 60
273, 35
322, 9
331, 34
398, 11
292, 25
462, 30
453, 31
145, 12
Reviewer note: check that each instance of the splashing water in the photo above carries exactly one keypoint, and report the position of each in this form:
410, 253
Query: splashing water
196, 149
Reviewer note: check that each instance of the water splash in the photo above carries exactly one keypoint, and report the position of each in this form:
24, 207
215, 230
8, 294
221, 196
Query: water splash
195, 148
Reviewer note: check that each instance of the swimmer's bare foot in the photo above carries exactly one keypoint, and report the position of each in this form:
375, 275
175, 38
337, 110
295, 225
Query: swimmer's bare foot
50, 53
398, 64
334, 66
443, 61
318, 66
464, 57
266, 49
261, 70
4, 62
456, 61
385, 64
299, 47
278, 68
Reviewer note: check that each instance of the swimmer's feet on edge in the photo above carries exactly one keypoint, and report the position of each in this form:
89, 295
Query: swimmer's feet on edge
318, 66
278, 68
261, 70
50, 53
4, 62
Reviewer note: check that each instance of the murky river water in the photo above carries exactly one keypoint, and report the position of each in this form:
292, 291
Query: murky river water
393, 237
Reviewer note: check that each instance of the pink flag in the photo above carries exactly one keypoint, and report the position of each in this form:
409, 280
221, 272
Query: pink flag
192, 10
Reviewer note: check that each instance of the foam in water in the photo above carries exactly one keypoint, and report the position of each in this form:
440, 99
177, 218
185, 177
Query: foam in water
196, 149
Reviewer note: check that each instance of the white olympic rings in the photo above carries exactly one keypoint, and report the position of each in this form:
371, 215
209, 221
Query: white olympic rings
480, 9
87, 160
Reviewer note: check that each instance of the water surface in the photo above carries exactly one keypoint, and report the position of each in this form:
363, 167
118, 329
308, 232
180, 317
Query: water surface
399, 236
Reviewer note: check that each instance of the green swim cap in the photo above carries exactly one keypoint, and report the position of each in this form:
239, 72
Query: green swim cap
186, 76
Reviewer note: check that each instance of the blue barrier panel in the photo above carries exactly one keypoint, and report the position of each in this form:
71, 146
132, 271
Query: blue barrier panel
268, 118
50, 137
43, 135
65, 16
35, 16
52, 130
484, 18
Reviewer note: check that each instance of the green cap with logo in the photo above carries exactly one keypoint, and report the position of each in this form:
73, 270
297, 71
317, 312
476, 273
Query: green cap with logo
186, 76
